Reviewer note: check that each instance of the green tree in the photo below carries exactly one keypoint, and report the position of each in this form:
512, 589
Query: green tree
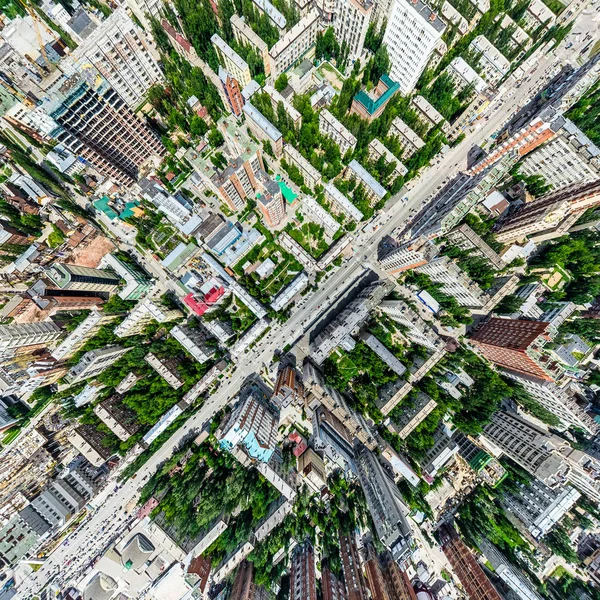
281, 82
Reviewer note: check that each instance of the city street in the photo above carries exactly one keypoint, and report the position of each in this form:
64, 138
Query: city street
108, 520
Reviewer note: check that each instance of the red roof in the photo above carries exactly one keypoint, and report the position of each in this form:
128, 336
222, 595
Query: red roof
214, 294
145, 510
197, 306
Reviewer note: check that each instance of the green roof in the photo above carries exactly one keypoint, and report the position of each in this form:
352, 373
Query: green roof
373, 105
479, 461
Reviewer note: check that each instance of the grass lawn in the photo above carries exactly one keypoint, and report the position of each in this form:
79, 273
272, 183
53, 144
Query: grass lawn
345, 365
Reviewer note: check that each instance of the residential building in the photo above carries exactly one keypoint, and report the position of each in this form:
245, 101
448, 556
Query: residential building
11, 235
177, 209
569, 157
312, 469
311, 176
416, 329
231, 60
137, 282
333, 588
464, 76
350, 23
467, 569
143, 9
517, 345
81, 334
370, 105
144, 312
21, 535
288, 387
21, 335
285, 296
119, 52
383, 353
428, 114
277, 99
412, 416
294, 44
118, 417
492, 63
333, 439
385, 505
271, 204
348, 320
303, 584
253, 425
374, 191
120, 143
465, 238
244, 34
440, 454
413, 254
75, 277
538, 507
377, 150
341, 204
550, 215
263, 129
194, 341
277, 19
166, 368
331, 127
356, 586
87, 440
409, 141
232, 90
413, 31
94, 362
317, 214
397, 582
538, 15
519, 39
528, 445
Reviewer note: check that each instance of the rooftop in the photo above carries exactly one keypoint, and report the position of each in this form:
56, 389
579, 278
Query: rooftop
367, 178
229, 52
262, 122
373, 104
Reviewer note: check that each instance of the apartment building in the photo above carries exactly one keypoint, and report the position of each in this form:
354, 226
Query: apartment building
340, 204
412, 416
118, 50
333, 588
277, 99
416, 329
385, 505
356, 585
465, 238
294, 44
94, 362
317, 214
528, 445
383, 353
21, 335
118, 417
312, 177
463, 76
87, 440
569, 157
244, 34
142, 9
409, 141
377, 150
428, 114
137, 283
232, 91
231, 60
350, 23
142, 315
494, 66
374, 191
271, 204
277, 19
538, 15
303, 584
194, 342
263, 129
330, 126
81, 334
166, 368
87, 279
94, 123
413, 31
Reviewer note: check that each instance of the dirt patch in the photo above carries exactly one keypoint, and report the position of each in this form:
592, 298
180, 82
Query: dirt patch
90, 255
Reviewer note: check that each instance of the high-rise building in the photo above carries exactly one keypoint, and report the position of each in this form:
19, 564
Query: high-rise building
75, 277
81, 334
95, 123
143, 9
396, 580
177, 209
540, 507
375, 579
302, 573
137, 282
20, 335
412, 33
385, 505
411, 255
350, 23
194, 342
467, 569
332, 587
244, 587
271, 204
416, 329
92, 363
517, 345
288, 387
144, 312
356, 586
551, 215
253, 425
231, 87
528, 445
120, 53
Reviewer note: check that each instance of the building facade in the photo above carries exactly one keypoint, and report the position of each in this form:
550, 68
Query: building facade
350, 24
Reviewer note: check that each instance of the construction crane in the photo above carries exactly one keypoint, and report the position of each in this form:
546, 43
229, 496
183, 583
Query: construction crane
36, 26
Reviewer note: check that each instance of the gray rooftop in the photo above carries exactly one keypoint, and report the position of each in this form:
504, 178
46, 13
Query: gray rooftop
367, 178
262, 122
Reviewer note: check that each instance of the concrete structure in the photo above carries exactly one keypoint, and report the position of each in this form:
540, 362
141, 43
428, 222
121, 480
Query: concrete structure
550, 215
412, 33
271, 204
370, 105
385, 505
232, 90
332, 587
463, 76
81, 334
569, 157
252, 425
231, 60
137, 283
313, 211
428, 114
245, 35
356, 585
88, 441
264, 6
465, 238
383, 353
75, 277
417, 330
20, 335
540, 508
528, 445
341, 204
411, 255
350, 24
119, 52
94, 362
263, 129
494, 66
194, 342
299, 283
538, 15
143, 314
409, 141
412, 416
312, 177
440, 454
302, 573
312, 469
166, 368
277, 99
331, 127
118, 417
294, 44
177, 209
374, 191
377, 150
121, 143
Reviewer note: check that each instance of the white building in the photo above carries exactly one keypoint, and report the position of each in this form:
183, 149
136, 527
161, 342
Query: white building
312, 177
377, 150
341, 204
538, 14
317, 214
20, 335
463, 76
350, 24
143, 314
409, 141
413, 31
81, 334
174, 208
331, 127
194, 341
493, 64
231, 60
141, 8
92, 363
284, 297
121, 54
